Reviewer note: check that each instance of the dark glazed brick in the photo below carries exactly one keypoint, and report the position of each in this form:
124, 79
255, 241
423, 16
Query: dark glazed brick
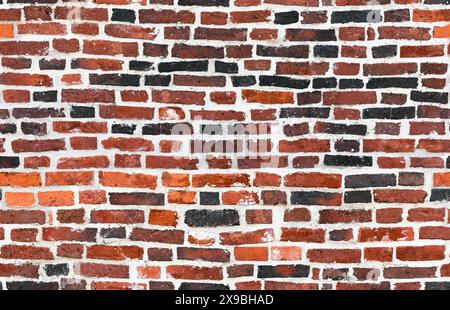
123, 129
56, 270
326, 51
113, 233
157, 80
324, 83
384, 51
194, 66
282, 81
226, 67
389, 113
167, 129
358, 196
386, 82
341, 17
36, 129
122, 15
209, 198
82, 112
45, 96
283, 271
29, 285
203, 286
320, 35
52, 64
348, 161
144, 199
341, 235
211, 218
243, 81
295, 51
7, 162
433, 97
347, 146
140, 65
304, 112
314, 198
340, 129
286, 18
370, 180
114, 79
437, 286
8, 128
351, 83
440, 194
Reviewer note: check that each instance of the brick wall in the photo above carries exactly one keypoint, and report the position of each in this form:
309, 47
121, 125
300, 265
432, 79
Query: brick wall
241, 144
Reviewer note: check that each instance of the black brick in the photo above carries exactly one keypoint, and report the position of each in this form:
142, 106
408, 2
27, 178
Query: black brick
82, 112
243, 81
157, 80
56, 270
211, 218
283, 271
389, 113
123, 128
384, 51
357, 197
138, 65
370, 180
433, 97
226, 67
393, 82
305, 112
367, 16
282, 81
286, 18
7, 162
209, 198
326, 51
122, 15
348, 161
45, 96
114, 79
193, 66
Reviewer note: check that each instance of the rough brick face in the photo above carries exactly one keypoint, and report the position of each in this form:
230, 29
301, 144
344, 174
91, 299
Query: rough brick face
235, 144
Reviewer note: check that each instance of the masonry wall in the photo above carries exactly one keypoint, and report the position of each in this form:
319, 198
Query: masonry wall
224, 144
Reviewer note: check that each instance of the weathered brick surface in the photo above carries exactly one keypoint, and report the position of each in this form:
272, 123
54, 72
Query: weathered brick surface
237, 144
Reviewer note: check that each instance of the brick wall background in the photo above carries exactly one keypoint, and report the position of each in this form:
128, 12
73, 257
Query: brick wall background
224, 144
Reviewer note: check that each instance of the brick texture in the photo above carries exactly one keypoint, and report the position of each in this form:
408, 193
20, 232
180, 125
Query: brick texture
224, 144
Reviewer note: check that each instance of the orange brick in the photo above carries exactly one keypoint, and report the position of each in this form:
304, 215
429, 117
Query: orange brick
163, 218
6, 31
19, 199
149, 272
442, 32
56, 198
